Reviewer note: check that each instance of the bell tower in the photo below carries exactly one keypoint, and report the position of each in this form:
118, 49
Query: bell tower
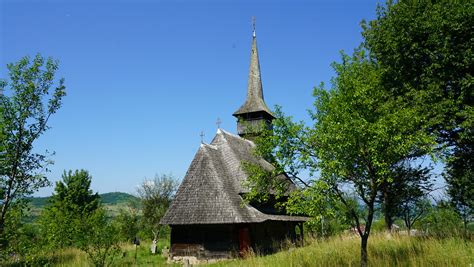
253, 116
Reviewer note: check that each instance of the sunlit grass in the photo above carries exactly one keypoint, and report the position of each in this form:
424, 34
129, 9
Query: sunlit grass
129, 256
383, 251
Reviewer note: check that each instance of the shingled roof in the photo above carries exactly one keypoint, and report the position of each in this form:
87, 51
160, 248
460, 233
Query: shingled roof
211, 190
254, 101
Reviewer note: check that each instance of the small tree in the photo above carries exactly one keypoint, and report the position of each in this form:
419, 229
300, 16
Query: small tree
156, 196
127, 222
71, 204
99, 238
25, 113
413, 210
401, 196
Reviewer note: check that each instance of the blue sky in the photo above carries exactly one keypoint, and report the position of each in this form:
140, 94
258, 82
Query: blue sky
144, 78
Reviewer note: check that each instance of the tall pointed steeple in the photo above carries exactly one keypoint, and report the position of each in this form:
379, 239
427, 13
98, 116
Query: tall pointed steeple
254, 113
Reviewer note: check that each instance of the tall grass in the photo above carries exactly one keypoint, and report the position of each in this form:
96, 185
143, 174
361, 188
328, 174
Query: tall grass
77, 258
383, 251
335, 251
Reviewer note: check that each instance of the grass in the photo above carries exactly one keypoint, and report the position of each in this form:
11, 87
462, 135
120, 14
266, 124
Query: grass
127, 258
77, 258
335, 251
383, 251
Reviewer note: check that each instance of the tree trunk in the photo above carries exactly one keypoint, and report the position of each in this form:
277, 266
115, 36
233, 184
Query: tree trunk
363, 250
365, 236
3, 214
465, 221
388, 221
388, 207
407, 220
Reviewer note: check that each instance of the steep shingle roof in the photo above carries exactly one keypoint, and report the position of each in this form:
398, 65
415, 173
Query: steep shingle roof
210, 191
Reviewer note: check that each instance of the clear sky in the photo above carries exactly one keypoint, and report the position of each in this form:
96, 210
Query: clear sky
144, 78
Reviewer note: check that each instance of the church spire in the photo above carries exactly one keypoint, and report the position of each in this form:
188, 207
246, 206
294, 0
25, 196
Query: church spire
254, 107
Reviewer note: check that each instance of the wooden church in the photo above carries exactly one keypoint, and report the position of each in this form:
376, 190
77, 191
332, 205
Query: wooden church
208, 217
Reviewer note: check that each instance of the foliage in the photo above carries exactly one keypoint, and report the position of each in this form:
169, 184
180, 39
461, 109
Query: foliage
70, 205
156, 196
426, 52
26, 109
127, 222
329, 216
20, 239
441, 221
99, 238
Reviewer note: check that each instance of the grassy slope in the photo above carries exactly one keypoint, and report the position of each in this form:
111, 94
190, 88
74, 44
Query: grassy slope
396, 251
116, 198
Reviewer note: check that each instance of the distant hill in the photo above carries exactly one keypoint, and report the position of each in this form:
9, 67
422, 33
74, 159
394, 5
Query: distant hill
39, 202
113, 198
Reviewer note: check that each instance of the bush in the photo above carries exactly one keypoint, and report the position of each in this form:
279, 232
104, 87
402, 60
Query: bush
442, 221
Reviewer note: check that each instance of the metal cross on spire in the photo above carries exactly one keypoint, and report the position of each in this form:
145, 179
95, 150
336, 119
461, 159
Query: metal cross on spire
254, 21
202, 137
218, 123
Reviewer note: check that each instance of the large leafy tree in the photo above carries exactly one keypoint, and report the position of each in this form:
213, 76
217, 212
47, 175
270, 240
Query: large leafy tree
360, 134
426, 52
28, 99
69, 207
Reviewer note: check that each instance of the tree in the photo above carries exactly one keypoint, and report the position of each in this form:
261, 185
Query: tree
127, 221
425, 51
359, 134
413, 210
156, 196
99, 238
26, 111
69, 207
399, 197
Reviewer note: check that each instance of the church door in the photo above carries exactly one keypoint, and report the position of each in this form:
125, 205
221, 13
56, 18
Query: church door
244, 240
